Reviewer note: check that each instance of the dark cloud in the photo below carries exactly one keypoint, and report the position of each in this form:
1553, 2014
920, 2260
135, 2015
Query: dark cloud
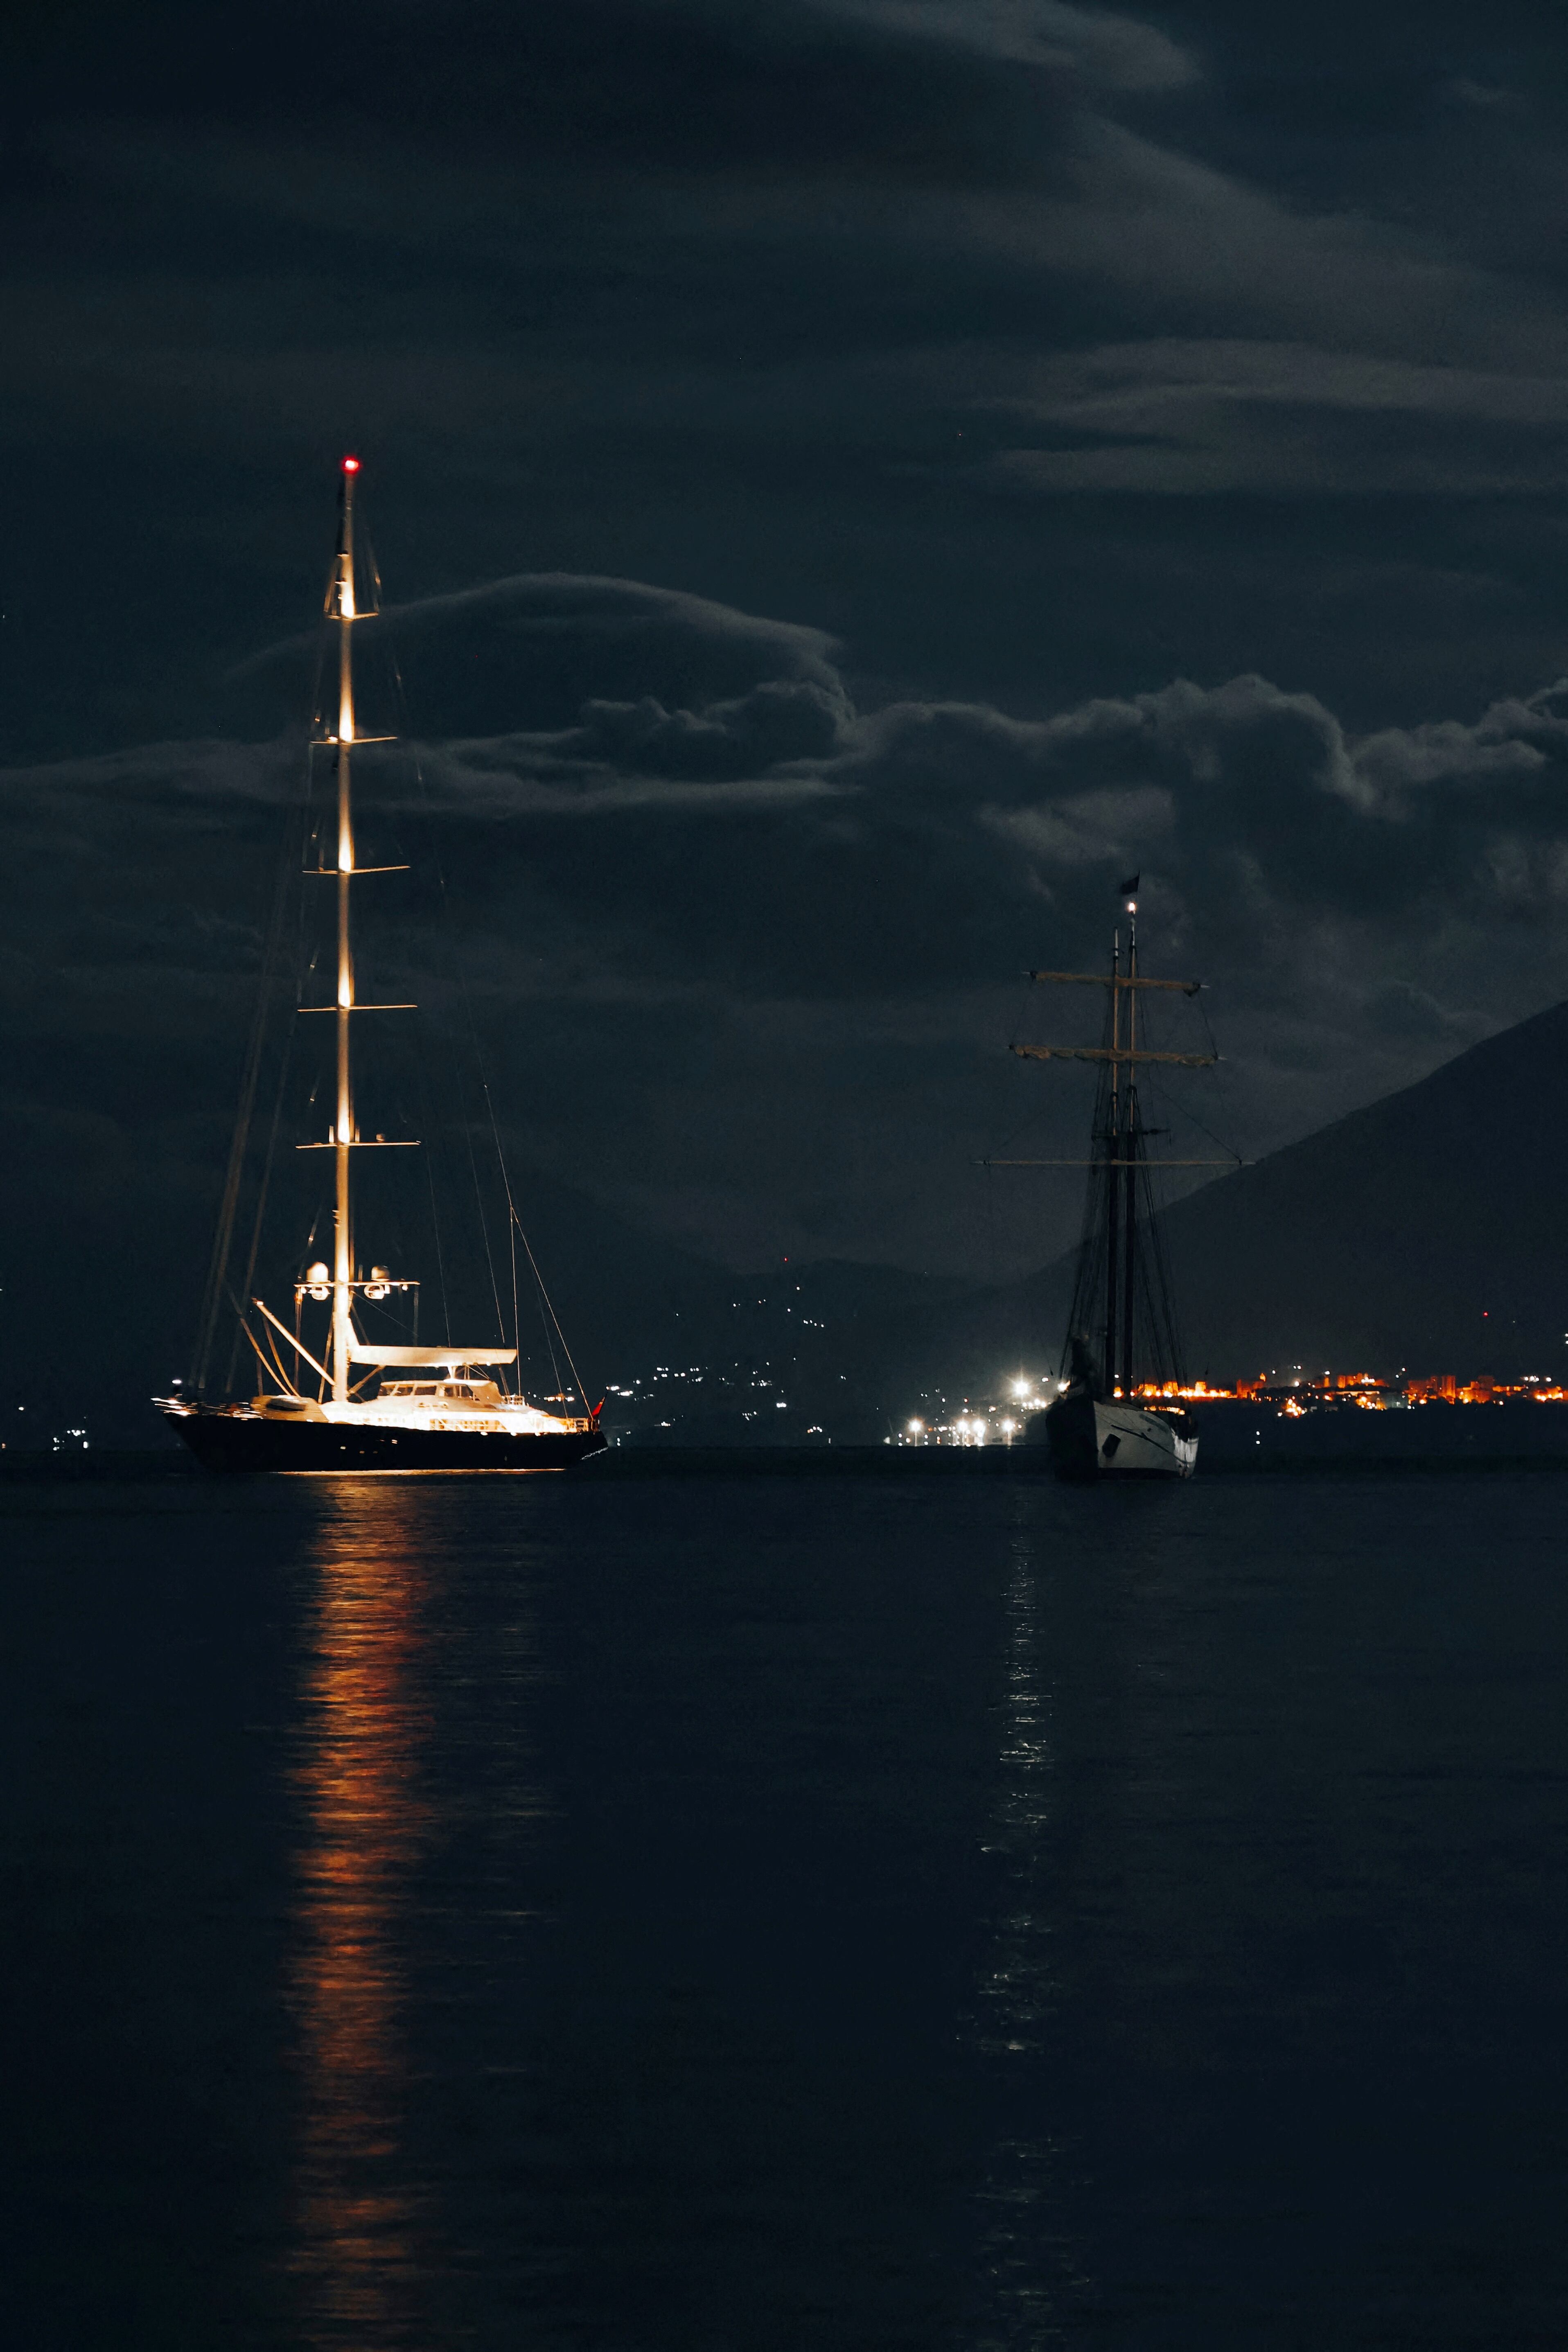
1109, 51
725, 932
1149, 425
910, 316
1194, 418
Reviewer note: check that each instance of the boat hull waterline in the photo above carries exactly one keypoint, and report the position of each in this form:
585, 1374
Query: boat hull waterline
1095, 1437
229, 1441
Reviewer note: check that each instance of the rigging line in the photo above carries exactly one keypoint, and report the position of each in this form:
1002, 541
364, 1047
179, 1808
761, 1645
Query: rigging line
277, 1366
571, 1364
1159, 1087
516, 1309
255, 1343
1162, 1086
549, 1320
1037, 1113
992, 1258
515, 1224
297, 831
267, 1165
244, 1325
514, 1227
268, 1162
432, 1128
223, 1239
990, 1226
1223, 1072
479, 1202
510, 1212
1034, 1119
266, 1336
270, 1157
1162, 1260
547, 1314
374, 571
1160, 1300
463, 989
1023, 999
1031, 1118
234, 1175
474, 1042
516, 1231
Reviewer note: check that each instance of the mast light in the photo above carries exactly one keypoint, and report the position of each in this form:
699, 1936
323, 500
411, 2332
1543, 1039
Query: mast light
351, 465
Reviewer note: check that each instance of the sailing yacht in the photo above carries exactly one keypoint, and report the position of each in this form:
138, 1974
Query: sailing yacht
372, 1407
1117, 1415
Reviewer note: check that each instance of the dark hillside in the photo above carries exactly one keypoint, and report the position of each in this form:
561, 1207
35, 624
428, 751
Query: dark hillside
1426, 1230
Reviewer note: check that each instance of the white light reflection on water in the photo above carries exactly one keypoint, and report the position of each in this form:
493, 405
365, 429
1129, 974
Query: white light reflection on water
361, 2227
1029, 2279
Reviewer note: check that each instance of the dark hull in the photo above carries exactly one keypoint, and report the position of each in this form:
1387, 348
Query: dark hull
223, 1441
1071, 1435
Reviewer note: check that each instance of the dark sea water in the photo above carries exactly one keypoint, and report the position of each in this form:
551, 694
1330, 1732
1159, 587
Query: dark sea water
761, 1911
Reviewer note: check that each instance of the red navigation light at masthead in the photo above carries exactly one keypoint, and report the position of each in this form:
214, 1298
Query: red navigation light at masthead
351, 465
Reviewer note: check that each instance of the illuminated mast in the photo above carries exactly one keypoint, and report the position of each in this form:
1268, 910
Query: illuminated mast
341, 607
1130, 1169
1112, 1169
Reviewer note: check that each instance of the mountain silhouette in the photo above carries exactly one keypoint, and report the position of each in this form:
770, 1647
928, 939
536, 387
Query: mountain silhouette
1426, 1231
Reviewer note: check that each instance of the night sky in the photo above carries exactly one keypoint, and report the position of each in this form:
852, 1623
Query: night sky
851, 481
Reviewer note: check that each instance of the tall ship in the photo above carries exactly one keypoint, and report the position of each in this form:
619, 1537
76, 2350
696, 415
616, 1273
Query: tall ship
342, 1400
1118, 1414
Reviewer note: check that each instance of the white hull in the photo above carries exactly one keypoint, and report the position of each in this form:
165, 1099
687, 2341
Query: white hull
1131, 1443
1091, 1437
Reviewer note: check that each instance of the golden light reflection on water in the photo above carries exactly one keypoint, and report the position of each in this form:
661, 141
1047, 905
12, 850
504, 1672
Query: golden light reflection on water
358, 2235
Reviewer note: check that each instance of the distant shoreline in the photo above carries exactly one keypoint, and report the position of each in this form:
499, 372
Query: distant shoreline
154, 1465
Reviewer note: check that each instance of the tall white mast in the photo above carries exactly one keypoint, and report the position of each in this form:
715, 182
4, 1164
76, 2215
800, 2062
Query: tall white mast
341, 607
